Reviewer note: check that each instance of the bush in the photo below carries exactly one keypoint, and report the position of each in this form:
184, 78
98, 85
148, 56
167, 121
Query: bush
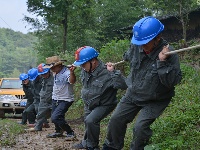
179, 126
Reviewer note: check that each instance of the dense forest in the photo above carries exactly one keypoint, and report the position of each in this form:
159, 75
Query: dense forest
16, 52
64, 25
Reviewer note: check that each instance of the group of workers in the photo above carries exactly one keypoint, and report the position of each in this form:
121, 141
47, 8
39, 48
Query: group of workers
49, 92
149, 90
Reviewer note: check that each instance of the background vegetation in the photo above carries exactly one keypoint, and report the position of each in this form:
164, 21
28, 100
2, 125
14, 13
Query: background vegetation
16, 53
69, 24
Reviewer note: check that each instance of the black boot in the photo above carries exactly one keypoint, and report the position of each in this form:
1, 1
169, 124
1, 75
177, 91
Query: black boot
93, 148
105, 147
24, 118
70, 135
66, 127
31, 117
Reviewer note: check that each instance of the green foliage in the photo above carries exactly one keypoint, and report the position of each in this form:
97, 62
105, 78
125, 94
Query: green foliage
178, 128
9, 131
168, 7
16, 53
113, 52
65, 21
15, 73
49, 44
180, 10
113, 15
78, 23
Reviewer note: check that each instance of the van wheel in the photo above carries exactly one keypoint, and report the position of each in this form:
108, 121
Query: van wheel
2, 114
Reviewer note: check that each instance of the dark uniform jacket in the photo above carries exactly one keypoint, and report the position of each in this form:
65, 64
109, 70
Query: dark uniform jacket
28, 92
37, 85
150, 78
47, 89
100, 86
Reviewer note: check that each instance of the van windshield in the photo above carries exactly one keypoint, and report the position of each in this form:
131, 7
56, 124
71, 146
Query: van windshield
11, 84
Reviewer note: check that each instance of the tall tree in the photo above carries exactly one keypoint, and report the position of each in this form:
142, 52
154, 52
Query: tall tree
68, 15
81, 22
113, 15
180, 9
53, 13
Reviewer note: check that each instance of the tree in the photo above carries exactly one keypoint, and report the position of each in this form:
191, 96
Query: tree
80, 22
113, 15
180, 9
67, 15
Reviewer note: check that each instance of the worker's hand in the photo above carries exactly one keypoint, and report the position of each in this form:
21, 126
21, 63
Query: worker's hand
110, 66
71, 67
162, 56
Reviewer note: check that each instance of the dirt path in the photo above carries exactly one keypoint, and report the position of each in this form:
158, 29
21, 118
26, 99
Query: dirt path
38, 141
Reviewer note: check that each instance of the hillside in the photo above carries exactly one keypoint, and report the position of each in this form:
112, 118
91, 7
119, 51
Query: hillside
16, 52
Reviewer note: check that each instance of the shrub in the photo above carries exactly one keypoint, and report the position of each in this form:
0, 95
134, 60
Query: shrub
179, 126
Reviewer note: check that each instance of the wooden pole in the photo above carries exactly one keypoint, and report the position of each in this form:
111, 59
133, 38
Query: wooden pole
168, 53
181, 50
118, 62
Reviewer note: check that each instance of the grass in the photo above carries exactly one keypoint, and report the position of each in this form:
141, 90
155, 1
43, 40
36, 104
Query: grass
9, 131
179, 126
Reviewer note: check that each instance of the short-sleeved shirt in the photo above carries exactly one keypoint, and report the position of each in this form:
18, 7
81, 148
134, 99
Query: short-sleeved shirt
63, 89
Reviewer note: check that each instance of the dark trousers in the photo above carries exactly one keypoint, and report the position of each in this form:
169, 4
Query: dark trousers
92, 121
126, 111
59, 108
30, 116
44, 113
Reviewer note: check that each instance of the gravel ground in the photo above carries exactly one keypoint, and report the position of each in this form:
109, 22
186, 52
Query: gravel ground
38, 141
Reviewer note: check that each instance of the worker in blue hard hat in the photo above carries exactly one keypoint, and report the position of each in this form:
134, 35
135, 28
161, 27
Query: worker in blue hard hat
99, 90
26, 84
36, 84
151, 83
45, 104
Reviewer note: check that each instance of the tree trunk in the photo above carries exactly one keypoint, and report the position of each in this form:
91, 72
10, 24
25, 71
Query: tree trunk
65, 34
184, 21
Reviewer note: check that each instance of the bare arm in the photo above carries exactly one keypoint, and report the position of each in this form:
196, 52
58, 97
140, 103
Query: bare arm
72, 78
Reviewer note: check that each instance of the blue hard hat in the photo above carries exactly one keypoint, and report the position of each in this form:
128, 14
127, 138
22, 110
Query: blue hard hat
33, 73
84, 54
23, 76
145, 30
41, 69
